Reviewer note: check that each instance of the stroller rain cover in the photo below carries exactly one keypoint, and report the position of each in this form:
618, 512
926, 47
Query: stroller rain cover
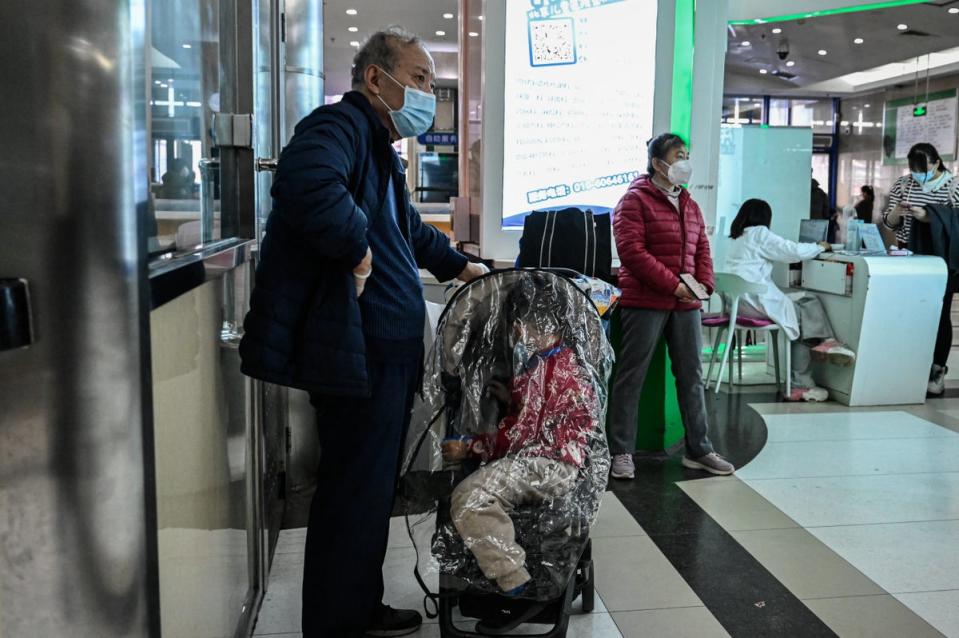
507, 460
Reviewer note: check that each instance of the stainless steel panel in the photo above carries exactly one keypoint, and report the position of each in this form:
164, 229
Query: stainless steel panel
175, 276
204, 457
74, 492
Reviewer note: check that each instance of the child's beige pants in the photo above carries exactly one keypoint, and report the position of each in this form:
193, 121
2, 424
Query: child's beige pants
482, 503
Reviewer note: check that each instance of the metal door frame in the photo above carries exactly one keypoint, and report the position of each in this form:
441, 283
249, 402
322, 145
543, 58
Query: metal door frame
237, 193
239, 167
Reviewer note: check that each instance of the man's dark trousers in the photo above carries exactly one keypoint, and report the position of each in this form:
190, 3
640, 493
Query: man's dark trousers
361, 444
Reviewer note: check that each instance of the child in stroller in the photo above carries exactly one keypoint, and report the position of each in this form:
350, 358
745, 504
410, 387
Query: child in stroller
539, 446
503, 495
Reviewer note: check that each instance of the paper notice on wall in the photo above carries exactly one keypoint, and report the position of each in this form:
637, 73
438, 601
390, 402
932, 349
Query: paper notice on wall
578, 102
936, 127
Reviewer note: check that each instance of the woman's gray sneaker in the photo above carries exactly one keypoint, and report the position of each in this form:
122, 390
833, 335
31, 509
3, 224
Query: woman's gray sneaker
712, 463
623, 467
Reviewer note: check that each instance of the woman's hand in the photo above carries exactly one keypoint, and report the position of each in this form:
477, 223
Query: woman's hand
684, 294
826, 246
894, 217
920, 214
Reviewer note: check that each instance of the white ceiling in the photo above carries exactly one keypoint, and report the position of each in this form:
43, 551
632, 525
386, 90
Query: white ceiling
752, 9
882, 44
422, 17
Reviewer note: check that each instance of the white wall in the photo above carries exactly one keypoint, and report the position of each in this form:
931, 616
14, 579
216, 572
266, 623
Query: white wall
764, 163
709, 60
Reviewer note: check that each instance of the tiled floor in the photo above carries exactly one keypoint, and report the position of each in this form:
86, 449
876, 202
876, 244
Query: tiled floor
638, 591
868, 516
854, 512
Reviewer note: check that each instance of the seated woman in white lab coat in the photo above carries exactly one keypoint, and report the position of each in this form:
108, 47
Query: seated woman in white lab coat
752, 253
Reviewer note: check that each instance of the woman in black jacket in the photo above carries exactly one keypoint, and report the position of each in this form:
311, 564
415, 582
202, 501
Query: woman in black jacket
866, 204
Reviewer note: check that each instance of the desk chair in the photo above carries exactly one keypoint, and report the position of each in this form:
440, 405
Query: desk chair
731, 289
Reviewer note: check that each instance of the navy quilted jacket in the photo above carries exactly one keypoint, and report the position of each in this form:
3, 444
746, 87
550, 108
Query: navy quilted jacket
304, 328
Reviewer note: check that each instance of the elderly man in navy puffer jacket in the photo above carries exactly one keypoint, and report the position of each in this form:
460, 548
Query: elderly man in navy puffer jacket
338, 310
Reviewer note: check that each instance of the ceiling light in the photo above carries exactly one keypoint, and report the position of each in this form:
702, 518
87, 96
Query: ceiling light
187, 46
448, 16
758, 105
902, 27
791, 63
867, 106
763, 71
474, 34
156, 81
479, 17
441, 33
822, 52
777, 30
353, 29
747, 43
354, 43
954, 10
858, 41
351, 12
164, 86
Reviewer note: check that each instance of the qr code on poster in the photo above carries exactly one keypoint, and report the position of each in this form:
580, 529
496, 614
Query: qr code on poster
552, 42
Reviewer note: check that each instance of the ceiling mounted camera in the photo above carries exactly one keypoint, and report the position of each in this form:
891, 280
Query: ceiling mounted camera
783, 49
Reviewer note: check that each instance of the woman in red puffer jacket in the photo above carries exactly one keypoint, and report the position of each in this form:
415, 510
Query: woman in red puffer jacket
660, 235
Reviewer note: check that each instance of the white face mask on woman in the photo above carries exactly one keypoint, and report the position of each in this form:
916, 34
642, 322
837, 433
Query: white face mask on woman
679, 172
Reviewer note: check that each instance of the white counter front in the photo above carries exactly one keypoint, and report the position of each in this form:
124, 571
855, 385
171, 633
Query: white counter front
889, 316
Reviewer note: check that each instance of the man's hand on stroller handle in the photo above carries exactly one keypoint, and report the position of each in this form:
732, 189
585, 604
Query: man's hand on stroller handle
472, 271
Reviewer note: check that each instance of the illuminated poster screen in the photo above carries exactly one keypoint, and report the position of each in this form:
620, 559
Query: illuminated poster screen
578, 102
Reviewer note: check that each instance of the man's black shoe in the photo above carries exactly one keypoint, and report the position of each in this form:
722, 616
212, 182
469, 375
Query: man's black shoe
394, 622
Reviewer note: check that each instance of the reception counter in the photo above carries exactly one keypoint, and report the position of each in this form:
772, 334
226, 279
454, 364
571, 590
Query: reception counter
887, 310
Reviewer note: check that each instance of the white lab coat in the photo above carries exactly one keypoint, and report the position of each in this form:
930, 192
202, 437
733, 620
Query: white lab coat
751, 256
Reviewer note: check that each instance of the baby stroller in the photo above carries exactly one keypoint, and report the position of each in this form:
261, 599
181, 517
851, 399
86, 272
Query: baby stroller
553, 460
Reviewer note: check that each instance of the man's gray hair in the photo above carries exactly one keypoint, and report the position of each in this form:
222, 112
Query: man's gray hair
382, 50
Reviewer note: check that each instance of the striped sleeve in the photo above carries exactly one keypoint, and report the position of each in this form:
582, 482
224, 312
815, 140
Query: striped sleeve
895, 198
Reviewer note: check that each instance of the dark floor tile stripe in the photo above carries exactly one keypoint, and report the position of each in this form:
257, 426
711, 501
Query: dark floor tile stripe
744, 597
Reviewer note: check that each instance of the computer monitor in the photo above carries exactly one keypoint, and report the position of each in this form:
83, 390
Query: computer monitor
813, 230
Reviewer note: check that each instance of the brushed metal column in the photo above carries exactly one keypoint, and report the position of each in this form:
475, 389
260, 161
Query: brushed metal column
303, 73
78, 551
